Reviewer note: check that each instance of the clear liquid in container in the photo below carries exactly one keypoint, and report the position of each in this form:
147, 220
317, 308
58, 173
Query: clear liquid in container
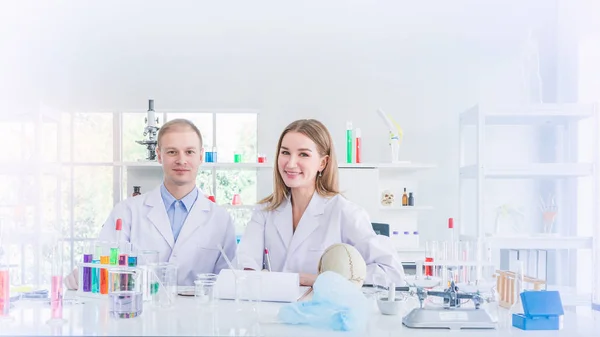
126, 304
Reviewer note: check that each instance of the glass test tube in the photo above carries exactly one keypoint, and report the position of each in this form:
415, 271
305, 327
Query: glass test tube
146, 258
4, 285
88, 257
4, 271
132, 262
56, 288
96, 271
104, 260
123, 279
114, 253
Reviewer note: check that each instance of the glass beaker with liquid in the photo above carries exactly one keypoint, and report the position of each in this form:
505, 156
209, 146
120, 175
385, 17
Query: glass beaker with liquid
163, 284
146, 258
125, 296
205, 290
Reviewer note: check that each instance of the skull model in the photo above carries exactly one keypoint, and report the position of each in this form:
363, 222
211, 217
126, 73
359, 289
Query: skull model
387, 198
346, 261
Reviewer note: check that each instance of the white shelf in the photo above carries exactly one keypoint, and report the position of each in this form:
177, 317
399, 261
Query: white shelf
407, 166
29, 117
411, 250
227, 166
246, 207
533, 114
233, 166
449, 263
537, 170
405, 208
30, 167
537, 242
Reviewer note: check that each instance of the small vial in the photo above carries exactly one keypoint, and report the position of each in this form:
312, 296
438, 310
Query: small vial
237, 157
214, 154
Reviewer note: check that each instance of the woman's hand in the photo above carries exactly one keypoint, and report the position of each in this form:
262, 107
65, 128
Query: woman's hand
307, 280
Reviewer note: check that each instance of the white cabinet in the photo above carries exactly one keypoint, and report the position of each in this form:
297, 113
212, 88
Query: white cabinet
494, 140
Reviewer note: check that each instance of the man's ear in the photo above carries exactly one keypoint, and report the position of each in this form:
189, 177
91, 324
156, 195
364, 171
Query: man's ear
201, 155
158, 157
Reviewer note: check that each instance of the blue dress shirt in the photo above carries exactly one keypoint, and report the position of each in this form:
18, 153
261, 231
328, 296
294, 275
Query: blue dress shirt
178, 210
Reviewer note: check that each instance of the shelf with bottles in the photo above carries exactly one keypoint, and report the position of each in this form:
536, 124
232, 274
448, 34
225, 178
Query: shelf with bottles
405, 208
407, 167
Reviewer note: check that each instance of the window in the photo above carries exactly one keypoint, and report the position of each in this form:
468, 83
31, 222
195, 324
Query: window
75, 188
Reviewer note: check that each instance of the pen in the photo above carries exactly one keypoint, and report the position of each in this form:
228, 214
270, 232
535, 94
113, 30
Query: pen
267, 260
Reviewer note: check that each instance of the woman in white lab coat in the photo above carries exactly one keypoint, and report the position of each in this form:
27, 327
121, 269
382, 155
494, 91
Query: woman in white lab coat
306, 213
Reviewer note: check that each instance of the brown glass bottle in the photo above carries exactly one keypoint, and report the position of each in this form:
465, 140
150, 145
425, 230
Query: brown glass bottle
136, 191
404, 198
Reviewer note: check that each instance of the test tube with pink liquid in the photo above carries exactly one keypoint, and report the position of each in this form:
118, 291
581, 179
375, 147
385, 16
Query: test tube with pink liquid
4, 273
56, 287
4, 286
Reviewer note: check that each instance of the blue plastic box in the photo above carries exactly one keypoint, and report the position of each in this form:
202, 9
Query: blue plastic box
543, 310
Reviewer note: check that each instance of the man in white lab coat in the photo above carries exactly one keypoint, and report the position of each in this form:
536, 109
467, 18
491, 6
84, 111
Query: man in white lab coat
175, 219
306, 214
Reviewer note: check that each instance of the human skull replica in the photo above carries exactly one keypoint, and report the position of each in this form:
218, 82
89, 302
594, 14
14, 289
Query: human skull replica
387, 198
346, 261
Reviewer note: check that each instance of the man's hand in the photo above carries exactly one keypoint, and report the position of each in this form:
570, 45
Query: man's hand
307, 280
72, 280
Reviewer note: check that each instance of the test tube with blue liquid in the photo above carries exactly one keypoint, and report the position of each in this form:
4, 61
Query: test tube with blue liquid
96, 271
132, 262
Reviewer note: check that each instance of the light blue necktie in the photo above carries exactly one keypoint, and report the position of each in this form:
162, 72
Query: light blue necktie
178, 218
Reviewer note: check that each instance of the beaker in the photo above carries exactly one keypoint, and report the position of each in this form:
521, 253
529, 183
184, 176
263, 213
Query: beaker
205, 290
163, 284
125, 304
125, 296
144, 259
248, 291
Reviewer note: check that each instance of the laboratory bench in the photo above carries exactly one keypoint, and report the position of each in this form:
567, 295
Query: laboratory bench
187, 317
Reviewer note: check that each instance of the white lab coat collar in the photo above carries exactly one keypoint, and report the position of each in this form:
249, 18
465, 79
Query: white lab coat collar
308, 223
159, 218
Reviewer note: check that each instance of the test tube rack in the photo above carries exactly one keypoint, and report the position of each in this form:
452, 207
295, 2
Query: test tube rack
108, 267
505, 283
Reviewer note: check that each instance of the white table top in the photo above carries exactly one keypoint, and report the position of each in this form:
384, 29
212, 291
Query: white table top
188, 318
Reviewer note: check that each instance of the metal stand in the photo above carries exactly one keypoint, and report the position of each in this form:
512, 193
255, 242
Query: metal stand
451, 315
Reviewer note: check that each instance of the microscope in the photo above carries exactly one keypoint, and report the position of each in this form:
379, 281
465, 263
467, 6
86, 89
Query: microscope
150, 131
452, 314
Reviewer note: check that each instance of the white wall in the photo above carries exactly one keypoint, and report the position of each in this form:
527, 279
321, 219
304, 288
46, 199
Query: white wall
331, 60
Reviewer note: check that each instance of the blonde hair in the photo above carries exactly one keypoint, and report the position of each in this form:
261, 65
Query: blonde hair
178, 123
326, 182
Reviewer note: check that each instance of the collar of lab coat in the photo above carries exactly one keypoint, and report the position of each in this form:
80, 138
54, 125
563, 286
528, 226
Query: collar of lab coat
158, 214
309, 221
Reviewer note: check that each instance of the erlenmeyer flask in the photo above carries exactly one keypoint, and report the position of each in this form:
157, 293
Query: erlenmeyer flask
518, 288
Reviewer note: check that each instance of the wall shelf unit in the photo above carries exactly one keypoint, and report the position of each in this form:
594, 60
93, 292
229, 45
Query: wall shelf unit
556, 176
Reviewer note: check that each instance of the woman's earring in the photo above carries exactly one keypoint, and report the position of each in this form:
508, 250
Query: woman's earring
320, 173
